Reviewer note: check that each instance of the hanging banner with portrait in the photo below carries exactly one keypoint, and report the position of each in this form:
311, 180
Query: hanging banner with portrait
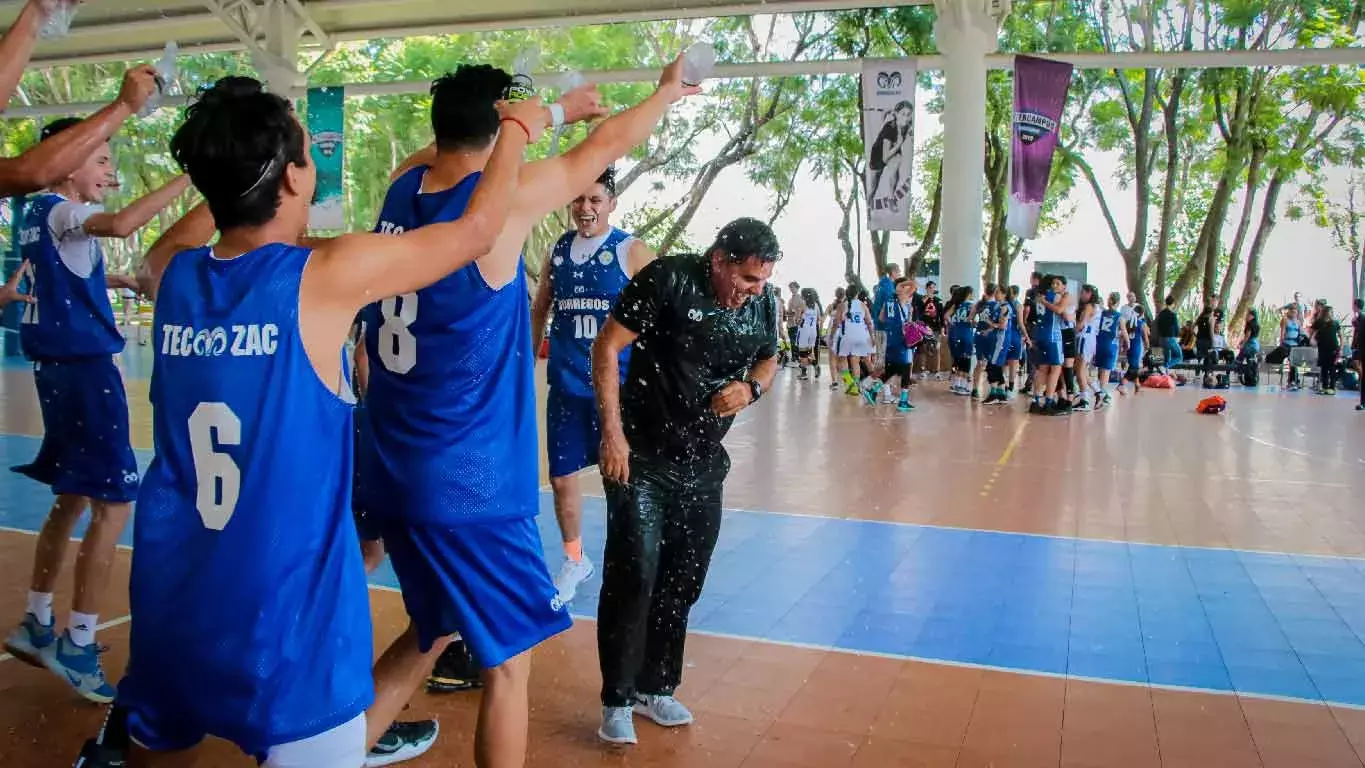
327, 125
1040, 87
888, 96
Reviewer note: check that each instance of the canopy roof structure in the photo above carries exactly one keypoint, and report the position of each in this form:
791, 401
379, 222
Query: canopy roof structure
119, 30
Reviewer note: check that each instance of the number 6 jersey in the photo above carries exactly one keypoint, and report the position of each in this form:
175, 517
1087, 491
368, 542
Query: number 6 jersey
452, 399
252, 611
587, 274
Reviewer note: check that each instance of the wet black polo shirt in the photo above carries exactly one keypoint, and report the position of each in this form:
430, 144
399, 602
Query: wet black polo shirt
689, 347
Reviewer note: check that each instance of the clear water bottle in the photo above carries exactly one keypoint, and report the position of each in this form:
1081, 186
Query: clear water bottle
698, 63
165, 75
523, 86
571, 80
58, 15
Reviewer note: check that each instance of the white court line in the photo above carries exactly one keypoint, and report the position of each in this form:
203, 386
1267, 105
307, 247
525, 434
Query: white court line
120, 621
1055, 536
893, 656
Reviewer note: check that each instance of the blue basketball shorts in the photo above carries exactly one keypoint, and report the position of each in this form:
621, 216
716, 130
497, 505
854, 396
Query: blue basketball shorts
363, 502
572, 432
1107, 356
487, 581
85, 449
1047, 351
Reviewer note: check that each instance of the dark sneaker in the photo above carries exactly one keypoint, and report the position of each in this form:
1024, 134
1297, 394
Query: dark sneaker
403, 742
455, 671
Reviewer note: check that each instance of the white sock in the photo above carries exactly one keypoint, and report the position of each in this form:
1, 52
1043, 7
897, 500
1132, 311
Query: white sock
82, 628
40, 605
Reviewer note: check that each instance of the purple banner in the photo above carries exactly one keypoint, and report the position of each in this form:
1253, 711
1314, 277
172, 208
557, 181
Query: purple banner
1040, 87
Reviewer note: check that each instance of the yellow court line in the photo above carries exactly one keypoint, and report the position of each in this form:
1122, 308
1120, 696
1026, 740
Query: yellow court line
1013, 444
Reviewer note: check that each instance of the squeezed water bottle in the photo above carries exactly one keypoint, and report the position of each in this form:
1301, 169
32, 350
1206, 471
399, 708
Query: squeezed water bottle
523, 86
165, 76
58, 15
698, 63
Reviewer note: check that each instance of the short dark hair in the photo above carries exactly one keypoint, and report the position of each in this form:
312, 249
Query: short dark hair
1170, 300
234, 144
1359, 303
462, 112
608, 180
931, 284
57, 126
746, 237
900, 280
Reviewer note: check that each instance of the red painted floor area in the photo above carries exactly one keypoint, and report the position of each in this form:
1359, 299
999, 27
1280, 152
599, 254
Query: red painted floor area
1277, 472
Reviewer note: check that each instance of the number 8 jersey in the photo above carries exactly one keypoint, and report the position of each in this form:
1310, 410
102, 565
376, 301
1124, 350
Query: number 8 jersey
586, 274
452, 401
253, 617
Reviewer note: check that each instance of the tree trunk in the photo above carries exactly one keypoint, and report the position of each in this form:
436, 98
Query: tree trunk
1269, 217
1171, 115
845, 227
1239, 240
916, 260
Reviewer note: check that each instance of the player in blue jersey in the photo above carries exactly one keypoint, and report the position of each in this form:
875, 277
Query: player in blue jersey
70, 334
995, 349
452, 406
983, 342
1138, 336
253, 616
1109, 335
961, 338
585, 271
1018, 346
1047, 354
1087, 327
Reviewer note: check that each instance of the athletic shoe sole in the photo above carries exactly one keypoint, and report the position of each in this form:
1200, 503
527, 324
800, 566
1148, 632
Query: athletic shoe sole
452, 685
620, 742
641, 709
26, 653
408, 751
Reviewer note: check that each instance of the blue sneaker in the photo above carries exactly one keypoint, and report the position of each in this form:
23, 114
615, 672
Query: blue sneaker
80, 667
28, 640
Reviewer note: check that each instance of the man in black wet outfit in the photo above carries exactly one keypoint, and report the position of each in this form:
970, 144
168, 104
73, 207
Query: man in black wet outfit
705, 341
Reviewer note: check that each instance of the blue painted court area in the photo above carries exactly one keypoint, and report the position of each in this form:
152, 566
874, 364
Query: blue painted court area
1222, 620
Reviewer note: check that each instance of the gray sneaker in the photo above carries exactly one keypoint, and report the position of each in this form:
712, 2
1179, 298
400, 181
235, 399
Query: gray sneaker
618, 726
664, 710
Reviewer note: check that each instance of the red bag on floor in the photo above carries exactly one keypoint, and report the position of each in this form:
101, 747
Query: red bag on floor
1159, 381
1213, 404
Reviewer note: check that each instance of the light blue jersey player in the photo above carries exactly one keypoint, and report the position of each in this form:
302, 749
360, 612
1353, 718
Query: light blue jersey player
253, 616
1108, 336
70, 334
585, 271
452, 405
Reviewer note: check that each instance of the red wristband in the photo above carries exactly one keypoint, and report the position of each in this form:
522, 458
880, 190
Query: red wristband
520, 125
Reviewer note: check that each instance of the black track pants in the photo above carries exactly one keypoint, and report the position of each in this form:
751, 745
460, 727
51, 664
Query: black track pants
661, 530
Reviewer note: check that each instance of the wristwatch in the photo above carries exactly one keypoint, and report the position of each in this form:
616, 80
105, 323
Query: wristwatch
755, 389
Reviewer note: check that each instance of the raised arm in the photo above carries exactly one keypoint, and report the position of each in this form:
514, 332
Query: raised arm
16, 48
552, 183
193, 230
125, 222
638, 257
9, 292
49, 162
354, 270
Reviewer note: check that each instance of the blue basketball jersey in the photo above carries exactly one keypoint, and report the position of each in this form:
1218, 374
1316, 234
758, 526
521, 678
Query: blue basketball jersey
1050, 323
960, 321
986, 314
897, 315
73, 317
1108, 331
584, 292
452, 400
253, 618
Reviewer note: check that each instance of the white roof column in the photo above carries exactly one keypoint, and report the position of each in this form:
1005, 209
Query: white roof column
278, 62
966, 32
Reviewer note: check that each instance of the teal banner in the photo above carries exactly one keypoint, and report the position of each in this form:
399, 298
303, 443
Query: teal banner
327, 126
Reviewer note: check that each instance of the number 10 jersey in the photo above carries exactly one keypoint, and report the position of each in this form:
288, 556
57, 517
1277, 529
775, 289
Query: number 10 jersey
586, 276
253, 619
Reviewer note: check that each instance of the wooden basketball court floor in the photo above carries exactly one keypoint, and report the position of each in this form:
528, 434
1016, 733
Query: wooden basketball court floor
959, 586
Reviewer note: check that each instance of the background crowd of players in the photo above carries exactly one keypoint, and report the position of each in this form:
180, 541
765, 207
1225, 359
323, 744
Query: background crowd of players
1065, 351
